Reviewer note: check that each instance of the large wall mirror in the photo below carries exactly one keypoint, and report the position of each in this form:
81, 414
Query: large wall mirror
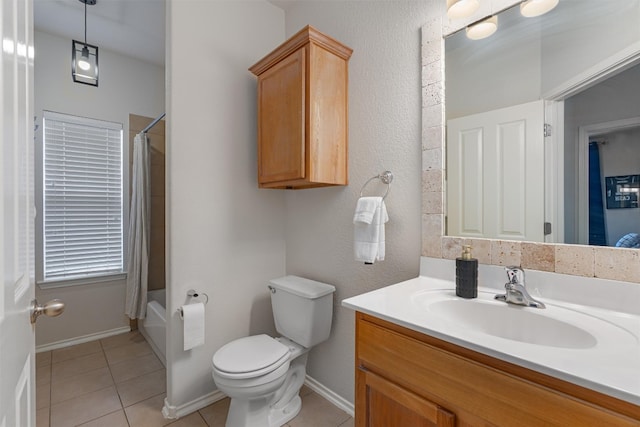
543, 126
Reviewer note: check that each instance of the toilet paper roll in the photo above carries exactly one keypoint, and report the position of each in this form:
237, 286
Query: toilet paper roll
193, 316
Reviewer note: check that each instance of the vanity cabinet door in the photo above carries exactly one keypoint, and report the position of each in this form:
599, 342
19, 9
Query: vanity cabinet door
386, 404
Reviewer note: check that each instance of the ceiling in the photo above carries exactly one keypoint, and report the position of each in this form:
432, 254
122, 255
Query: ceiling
134, 28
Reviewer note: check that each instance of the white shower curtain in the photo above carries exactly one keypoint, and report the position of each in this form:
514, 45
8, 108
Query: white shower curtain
137, 275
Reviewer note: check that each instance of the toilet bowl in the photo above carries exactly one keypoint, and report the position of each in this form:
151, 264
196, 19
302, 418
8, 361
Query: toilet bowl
263, 375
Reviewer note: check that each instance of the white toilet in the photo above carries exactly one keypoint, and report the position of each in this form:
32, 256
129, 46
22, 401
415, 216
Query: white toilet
263, 375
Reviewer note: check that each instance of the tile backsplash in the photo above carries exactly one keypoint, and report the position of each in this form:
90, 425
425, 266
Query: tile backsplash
576, 260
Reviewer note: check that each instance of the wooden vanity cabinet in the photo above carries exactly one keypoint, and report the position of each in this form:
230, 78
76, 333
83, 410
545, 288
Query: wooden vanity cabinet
302, 112
405, 378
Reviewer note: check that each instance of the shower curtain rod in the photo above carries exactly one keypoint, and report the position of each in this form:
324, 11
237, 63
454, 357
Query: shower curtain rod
153, 123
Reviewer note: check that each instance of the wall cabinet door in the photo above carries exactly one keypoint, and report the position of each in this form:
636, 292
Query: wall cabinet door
385, 404
281, 135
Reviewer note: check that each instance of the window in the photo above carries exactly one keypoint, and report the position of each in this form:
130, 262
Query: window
82, 198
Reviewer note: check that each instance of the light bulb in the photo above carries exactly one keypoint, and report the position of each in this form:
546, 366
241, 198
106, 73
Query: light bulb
83, 62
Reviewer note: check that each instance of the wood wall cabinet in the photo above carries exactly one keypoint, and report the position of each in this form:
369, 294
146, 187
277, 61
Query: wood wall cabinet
405, 378
302, 112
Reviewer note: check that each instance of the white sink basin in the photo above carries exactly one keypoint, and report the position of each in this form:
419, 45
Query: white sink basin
514, 323
553, 326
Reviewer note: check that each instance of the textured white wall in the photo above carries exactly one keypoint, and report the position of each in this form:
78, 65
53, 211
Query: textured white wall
225, 237
384, 133
127, 85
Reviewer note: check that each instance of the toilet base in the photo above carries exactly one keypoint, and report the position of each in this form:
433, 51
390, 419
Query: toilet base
254, 413
279, 417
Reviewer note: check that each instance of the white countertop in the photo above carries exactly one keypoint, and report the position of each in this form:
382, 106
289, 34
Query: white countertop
610, 366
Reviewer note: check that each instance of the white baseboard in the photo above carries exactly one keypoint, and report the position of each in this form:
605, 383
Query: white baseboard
82, 339
171, 412
330, 395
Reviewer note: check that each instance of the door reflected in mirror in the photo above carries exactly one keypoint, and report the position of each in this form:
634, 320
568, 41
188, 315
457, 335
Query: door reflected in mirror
522, 107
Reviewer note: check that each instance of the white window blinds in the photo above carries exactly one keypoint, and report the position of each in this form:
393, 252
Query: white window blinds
82, 197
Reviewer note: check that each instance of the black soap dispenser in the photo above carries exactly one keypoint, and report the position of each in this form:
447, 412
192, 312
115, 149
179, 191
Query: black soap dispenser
466, 274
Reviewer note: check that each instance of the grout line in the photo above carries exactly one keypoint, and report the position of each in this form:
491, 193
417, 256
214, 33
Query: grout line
140, 401
114, 381
345, 422
51, 404
137, 376
129, 358
126, 417
182, 418
115, 385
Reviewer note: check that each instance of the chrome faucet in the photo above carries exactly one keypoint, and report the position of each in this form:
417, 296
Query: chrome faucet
516, 291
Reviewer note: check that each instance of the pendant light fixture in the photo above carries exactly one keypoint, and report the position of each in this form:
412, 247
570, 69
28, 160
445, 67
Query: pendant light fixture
460, 9
84, 57
532, 8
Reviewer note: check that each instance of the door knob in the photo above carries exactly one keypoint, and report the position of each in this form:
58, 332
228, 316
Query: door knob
52, 308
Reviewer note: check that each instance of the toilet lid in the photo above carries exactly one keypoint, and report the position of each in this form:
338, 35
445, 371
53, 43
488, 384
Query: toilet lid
250, 354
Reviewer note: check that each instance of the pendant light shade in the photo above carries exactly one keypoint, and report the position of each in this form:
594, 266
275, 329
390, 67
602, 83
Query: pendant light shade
84, 57
460, 9
532, 8
84, 63
482, 29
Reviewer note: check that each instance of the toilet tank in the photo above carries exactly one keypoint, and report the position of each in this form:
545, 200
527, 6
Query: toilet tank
302, 309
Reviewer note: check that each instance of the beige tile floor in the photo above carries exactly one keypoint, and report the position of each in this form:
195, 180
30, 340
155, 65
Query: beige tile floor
119, 382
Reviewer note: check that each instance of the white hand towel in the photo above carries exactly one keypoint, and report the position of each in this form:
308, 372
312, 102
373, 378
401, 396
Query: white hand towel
369, 238
365, 209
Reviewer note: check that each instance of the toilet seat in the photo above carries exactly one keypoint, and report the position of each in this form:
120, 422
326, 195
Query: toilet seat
250, 357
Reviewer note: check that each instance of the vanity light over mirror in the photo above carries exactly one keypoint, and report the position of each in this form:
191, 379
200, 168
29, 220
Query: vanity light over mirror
543, 126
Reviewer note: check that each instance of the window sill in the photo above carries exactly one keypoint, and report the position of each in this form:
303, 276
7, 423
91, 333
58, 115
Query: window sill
80, 281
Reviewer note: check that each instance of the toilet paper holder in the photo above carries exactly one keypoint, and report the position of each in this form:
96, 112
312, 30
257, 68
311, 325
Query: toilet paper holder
192, 293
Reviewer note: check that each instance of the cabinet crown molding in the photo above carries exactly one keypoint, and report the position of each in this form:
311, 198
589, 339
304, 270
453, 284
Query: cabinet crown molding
303, 37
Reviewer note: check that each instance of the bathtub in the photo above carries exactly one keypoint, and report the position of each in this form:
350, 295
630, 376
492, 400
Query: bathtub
154, 326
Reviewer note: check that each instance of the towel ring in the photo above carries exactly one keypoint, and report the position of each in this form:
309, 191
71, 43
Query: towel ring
386, 177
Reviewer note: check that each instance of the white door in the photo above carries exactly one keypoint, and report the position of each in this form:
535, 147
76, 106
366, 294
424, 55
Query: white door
17, 343
495, 174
